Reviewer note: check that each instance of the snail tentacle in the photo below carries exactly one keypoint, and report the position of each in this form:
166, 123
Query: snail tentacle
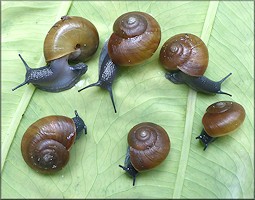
107, 73
72, 39
199, 84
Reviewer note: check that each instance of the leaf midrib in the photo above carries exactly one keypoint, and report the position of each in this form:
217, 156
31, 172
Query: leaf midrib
191, 104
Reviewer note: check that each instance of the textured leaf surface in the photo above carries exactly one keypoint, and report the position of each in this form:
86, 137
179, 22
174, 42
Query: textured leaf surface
224, 170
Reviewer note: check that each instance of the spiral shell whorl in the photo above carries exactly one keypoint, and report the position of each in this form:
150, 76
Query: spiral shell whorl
135, 38
46, 156
223, 117
149, 145
46, 143
127, 26
185, 52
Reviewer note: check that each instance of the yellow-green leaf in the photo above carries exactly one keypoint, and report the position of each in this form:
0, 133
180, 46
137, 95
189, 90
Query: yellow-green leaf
224, 170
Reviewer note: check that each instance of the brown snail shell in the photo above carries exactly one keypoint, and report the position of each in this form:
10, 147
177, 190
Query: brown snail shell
70, 39
135, 37
185, 52
46, 143
149, 145
223, 117
71, 35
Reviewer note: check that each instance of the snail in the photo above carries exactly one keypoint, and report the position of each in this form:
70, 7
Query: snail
135, 38
149, 146
186, 57
46, 143
107, 73
72, 38
221, 118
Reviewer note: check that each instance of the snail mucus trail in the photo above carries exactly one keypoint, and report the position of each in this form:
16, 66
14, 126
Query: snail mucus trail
72, 39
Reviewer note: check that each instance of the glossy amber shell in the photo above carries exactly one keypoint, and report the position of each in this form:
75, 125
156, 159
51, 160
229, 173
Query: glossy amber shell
46, 143
71, 35
222, 118
135, 38
185, 52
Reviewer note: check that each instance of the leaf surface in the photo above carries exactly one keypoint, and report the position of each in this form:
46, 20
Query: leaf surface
224, 170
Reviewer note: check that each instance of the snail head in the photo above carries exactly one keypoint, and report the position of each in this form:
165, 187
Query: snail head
79, 123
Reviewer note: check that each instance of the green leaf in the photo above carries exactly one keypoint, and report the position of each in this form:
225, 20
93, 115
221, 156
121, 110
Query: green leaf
224, 170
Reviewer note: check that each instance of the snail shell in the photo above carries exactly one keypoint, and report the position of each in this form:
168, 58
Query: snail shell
72, 38
136, 36
71, 35
185, 52
149, 145
223, 117
46, 143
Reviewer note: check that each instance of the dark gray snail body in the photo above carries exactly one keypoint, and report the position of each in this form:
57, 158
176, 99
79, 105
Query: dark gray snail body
107, 73
56, 77
128, 167
186, 57
135, 38
72, 39
199, 84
